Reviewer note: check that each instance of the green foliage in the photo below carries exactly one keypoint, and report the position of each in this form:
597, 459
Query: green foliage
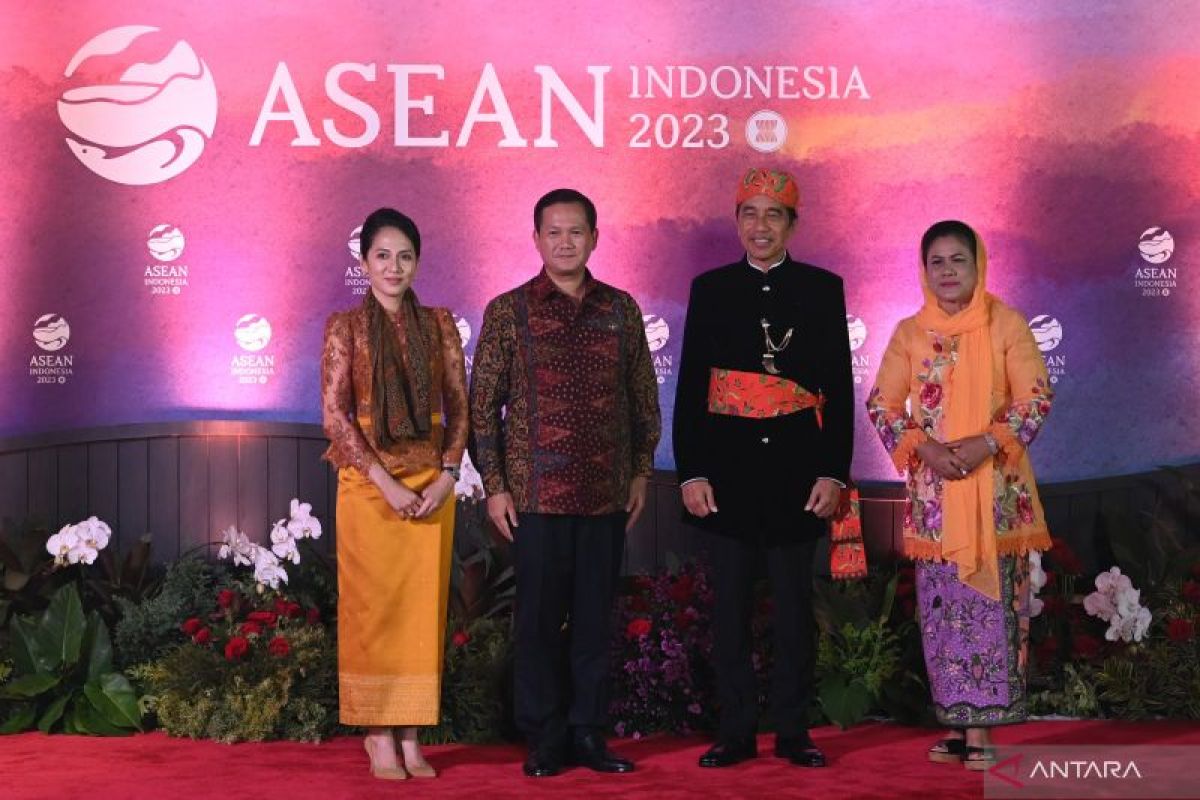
63, 676
1075, 698
482, 575
1158, 679
148, 628
859, 655
475, 683
197, 691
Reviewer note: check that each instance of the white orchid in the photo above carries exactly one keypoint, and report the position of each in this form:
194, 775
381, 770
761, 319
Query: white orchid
1116, 602
283, 544
80, 542
238, 545
62, 544
303, 524
266, 568
470, 484
1037, 580
1035, 606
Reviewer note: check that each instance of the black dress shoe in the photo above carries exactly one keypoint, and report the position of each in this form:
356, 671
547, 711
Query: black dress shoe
800, 750
589, 750
726, 754
541, 765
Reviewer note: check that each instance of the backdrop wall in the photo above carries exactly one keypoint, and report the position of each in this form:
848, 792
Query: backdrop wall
183, 182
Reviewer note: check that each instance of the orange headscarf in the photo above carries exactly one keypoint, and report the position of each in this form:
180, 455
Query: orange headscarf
968, 524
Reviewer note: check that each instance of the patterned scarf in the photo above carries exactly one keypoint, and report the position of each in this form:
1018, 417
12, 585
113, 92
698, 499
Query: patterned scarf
400, 406
969, 529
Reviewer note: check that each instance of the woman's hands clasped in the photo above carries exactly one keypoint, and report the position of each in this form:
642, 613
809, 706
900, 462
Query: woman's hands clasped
416, 505
957, 459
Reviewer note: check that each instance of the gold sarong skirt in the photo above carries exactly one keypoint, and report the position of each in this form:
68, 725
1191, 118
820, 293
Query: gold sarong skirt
393, 586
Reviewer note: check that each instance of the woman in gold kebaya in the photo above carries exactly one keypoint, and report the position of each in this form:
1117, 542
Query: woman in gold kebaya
960, 396
394, 405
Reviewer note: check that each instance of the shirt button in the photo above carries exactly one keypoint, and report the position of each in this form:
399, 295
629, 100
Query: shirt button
766, 288
766, 440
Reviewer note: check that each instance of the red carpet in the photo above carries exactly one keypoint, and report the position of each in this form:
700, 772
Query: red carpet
871, 760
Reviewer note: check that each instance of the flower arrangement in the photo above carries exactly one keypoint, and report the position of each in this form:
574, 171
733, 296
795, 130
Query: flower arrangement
1116, 602
285, 534
661, 656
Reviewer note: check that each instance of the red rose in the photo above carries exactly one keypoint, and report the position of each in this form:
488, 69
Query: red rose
931, 395
265, 617
1086, 647
682, 589
293, 611
191, 626
202, 636
313, 617
236, 648
279, 647
1191, 592
637, 628
639, 603
250, 629
1180, 630
225, 598
460, 638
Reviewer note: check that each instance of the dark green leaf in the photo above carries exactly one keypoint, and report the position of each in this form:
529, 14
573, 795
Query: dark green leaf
114, 697
28, 686
60, 634
97, 647
53, 714
27, 655
89, 720
19, 719
845, 702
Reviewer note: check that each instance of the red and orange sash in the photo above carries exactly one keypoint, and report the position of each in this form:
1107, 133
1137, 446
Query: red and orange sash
760, 396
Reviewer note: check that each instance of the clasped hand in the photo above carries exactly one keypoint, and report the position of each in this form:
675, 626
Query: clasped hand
956, 459
416, 505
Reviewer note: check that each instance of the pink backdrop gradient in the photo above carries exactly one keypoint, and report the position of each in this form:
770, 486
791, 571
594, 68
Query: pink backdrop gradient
1061, 131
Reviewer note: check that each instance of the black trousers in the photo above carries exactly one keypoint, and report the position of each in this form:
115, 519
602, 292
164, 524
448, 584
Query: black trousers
567, 569
790, 569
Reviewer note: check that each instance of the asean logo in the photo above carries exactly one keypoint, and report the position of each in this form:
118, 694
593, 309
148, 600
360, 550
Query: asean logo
1047, 332
165, 243
51, 332
464, 330
766, 131
1156, 245
152, 123
657, 331
353, 243
857, 330
253, 333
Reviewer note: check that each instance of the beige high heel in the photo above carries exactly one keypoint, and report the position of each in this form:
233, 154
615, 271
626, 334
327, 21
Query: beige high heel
383, 773
425, 770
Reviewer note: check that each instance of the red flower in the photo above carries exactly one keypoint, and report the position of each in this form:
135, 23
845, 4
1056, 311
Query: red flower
236, 648
1087, 647
313, 617
265, 617
190, 626
460, 638
225, 598
1180, 630
202, 636
1191, 592
643, 582
683, 620
279, 647
682, 589
639, 603
637, 628
1064, 557
286, 608
931, 395
250, 629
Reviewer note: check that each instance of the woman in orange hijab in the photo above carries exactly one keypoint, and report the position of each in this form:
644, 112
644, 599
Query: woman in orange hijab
960, 395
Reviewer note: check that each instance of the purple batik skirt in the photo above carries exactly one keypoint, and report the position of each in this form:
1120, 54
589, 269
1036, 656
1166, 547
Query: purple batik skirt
975, 647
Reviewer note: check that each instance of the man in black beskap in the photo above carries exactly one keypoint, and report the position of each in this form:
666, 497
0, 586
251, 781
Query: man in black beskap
763, 436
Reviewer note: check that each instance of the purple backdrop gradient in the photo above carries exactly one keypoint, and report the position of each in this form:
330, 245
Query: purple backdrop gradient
1061, 131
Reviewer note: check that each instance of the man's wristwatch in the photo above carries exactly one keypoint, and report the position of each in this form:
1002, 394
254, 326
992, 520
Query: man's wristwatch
454, 470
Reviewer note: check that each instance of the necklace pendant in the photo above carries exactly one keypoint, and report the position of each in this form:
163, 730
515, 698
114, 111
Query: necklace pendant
768, 362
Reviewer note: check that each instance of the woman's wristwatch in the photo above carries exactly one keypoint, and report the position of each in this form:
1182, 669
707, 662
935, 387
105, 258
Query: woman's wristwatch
454, 470
991, 442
